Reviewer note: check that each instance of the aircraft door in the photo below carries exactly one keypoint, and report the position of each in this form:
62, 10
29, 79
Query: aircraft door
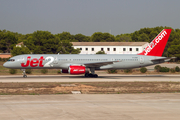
55, 60
22, 59
141, 60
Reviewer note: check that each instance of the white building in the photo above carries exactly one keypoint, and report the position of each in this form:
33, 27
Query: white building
110, 47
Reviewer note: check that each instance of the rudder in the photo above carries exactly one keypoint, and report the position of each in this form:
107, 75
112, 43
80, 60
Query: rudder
156, 47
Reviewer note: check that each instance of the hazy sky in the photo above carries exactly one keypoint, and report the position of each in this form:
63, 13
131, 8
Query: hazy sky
87, 16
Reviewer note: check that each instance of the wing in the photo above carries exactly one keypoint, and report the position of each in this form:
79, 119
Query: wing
98, 64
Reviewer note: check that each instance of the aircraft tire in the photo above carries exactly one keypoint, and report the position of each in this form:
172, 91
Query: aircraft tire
25, 76
86, 75
95, 75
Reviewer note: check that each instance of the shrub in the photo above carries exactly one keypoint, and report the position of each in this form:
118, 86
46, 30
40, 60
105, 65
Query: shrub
59, 71
0, 59
4, 59
177, 69
112, 71
44, 71
128, 70
172, 70
12, 71
157, 68
143, 70
28, 71
164, 69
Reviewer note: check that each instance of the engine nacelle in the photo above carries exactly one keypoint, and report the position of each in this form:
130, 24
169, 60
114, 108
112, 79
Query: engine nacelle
77, 70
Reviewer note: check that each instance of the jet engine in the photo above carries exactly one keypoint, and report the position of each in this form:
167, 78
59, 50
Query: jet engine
76, 70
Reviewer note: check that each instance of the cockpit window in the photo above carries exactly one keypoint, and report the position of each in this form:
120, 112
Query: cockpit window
11, 60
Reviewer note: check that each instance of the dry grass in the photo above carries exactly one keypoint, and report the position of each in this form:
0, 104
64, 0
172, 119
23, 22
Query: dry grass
88, 88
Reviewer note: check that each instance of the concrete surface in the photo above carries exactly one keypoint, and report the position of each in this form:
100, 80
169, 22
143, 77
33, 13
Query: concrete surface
81, 78
91, 107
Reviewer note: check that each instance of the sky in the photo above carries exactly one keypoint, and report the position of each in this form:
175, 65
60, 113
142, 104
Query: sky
87, 16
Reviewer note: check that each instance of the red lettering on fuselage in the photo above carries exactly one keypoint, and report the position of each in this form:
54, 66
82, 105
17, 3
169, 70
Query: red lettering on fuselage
34, 62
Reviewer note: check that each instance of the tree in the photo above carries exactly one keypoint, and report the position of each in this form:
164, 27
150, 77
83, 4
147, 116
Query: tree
20, 50
100, 52
102, 37
174, 50
65, 36
143, 38
65, 47
123, 38
7, 41
81, 38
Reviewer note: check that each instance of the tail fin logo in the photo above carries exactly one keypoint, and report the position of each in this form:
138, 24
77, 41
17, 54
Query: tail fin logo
155, 42
156, 47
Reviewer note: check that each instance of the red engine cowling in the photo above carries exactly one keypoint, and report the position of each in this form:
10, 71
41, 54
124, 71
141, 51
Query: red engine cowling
78, 70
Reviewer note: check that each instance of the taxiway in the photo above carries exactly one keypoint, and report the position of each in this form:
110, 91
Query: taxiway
91, 107
80, 78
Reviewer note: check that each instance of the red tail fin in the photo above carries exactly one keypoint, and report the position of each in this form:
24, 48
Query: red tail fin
156, 47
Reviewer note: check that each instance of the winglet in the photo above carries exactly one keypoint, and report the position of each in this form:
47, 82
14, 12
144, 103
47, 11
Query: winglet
156, 47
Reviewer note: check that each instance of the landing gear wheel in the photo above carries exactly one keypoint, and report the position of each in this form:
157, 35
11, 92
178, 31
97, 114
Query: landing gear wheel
25, 76
95, 75
91, 75
24, 73
86, 75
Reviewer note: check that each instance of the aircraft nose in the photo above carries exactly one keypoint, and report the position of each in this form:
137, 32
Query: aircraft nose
5, 64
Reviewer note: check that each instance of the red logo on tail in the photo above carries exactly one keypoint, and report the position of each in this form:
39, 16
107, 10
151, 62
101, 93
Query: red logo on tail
156, 47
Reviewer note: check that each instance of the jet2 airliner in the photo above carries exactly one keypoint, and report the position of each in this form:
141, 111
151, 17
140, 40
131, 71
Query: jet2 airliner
87, 64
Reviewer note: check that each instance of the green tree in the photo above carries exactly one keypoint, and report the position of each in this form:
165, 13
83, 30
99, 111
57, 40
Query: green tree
20, 50
124, 38
100, 52
174, 50
81, 38
143, 38
65, 47
102, 37
65, 36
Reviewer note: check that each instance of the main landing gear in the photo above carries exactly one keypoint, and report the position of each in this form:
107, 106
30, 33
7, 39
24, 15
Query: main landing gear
92, 74
24, 73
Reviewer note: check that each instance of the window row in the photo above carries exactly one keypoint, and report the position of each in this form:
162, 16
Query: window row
108, 49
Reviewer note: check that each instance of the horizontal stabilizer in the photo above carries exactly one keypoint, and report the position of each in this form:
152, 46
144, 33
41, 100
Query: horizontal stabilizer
160, 59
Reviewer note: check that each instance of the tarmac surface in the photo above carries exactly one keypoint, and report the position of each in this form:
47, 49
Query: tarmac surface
91, 107
81, 78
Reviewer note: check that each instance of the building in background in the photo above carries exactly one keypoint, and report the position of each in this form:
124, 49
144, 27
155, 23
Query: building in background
110, 47
20, 44
5, 55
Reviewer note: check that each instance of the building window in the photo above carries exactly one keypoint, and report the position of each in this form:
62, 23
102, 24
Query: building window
137, 49
108, 49
102, 49
124, 49
130, 49
114, 49
86, 49
92, 49
80, 48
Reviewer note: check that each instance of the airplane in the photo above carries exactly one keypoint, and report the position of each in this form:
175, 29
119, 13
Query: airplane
87, 64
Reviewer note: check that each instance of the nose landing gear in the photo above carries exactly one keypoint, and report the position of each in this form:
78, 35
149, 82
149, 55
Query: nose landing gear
24, 73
